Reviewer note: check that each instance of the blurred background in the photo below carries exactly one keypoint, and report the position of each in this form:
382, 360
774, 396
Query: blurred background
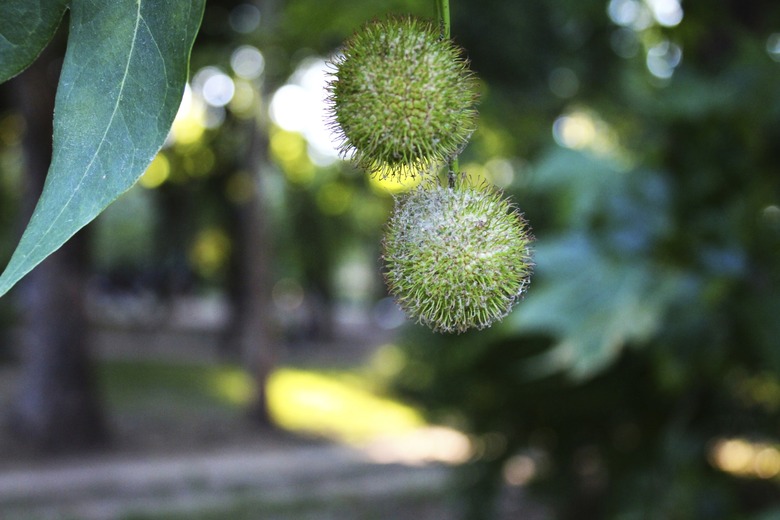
219, 343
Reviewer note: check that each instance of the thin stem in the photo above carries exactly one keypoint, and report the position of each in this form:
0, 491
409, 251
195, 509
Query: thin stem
452, 173
443, 14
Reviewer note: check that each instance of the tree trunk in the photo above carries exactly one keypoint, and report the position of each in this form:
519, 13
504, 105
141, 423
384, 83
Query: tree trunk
56, 408
252, 333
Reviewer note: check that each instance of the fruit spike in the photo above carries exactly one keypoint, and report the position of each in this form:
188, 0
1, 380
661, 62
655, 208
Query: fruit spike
401, 99
457, 257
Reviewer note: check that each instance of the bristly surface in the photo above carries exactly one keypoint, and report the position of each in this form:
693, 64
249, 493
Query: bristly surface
457, 257
401, 100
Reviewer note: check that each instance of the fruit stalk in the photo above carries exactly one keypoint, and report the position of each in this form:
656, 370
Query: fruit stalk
443, 14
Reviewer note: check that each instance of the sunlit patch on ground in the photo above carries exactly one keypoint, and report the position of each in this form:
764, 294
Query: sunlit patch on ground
338, 405
420, 446
335, 405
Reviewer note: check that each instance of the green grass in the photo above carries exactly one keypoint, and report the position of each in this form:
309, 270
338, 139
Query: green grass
345, 405
133, 384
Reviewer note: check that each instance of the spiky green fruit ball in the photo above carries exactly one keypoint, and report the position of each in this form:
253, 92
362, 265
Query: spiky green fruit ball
457, 257
401, 98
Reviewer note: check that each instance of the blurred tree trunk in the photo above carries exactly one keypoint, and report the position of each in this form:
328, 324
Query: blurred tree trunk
174, 229
251, 334
57, 407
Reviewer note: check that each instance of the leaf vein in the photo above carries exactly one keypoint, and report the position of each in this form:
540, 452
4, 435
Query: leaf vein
105, 133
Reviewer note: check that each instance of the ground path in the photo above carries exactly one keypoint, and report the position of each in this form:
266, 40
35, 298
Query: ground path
174, 465
272, 484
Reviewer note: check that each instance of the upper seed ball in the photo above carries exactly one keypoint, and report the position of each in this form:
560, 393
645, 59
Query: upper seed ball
402, 99
457, 257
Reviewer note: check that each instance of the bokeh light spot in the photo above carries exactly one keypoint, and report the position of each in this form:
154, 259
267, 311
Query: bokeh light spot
199, 161
574, 131
563, 82
767, 462
773, 46
288, 149
214, 86
384, 184
667, 13
334, 198
188, 126
733, 456
500, 171
771, 216
300, 106
743, 458
663, 58
247, 62
244, 18
519, 470
12, 127
584, 129
210, 251
157, 173
287, 295
244, 100
476, 173
630, 13
290, 108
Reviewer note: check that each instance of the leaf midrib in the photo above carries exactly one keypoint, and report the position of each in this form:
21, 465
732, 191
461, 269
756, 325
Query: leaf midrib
102, 139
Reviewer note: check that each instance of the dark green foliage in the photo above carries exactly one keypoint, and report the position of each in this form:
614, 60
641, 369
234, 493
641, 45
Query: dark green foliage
650, 332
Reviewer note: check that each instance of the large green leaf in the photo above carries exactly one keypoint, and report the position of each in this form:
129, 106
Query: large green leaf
25, 29
121, 84
593, 305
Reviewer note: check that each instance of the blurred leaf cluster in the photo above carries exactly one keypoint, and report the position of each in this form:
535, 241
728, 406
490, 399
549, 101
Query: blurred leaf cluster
643, 141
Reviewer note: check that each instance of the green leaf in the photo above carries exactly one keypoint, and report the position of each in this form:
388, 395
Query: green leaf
25, 29
593, 305
120, 88
579, 182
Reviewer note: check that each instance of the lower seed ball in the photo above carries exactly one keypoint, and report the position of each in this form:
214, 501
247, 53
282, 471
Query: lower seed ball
457, 257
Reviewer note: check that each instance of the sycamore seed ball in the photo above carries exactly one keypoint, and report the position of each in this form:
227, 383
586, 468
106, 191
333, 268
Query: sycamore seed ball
401, 99
457, 257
